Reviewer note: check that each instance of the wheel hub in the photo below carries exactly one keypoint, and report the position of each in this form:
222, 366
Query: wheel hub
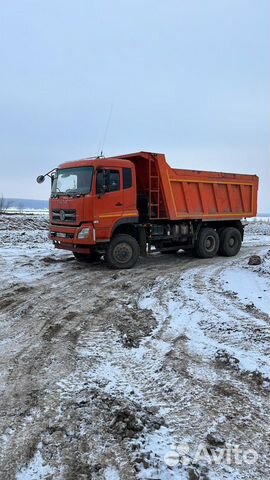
122, 252
210, 243
231, 241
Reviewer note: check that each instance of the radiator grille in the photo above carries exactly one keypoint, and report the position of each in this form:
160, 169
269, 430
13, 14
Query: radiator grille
60, 216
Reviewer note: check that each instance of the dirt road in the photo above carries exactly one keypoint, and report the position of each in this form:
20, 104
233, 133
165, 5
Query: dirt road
103, 373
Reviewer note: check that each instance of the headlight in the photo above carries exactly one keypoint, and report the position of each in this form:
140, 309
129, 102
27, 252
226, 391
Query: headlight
84, 233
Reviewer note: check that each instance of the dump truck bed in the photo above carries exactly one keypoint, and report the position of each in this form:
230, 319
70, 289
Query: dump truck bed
210, 194
190, 194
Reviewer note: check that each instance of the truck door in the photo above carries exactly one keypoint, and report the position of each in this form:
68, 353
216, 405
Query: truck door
108, 200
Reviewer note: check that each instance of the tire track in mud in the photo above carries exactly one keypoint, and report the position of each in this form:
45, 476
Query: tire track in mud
233, 323
86, 355
161, 379
213, 383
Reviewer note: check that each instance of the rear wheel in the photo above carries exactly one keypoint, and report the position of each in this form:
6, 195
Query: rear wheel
87, 257
207, 243
230, 242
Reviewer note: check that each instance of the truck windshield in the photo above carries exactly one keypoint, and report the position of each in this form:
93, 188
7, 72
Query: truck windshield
72, 181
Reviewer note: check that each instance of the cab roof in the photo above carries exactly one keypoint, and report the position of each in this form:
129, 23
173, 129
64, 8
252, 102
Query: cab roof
104, 161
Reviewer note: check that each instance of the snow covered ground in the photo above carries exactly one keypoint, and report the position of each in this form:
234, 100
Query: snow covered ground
155, 373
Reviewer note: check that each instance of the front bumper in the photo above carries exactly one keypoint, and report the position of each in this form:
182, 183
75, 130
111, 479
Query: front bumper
67, 238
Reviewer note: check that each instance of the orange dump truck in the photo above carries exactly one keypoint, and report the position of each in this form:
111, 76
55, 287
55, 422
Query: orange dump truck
121, 207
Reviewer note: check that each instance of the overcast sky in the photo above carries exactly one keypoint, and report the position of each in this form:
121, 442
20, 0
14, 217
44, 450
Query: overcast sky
189, 78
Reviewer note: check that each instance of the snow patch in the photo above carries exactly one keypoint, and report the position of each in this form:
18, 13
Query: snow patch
111, 473
36, 469
250, 288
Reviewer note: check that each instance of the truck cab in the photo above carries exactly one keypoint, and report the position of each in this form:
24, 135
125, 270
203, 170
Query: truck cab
90, 199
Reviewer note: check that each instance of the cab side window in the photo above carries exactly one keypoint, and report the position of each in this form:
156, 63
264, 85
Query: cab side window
114, 181
111, 182
127, 178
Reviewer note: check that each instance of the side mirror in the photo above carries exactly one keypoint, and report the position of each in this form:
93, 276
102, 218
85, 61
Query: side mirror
40, 179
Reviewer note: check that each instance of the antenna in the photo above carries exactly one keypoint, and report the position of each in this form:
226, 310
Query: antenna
102, 143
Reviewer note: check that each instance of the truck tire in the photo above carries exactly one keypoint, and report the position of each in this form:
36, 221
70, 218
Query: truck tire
123, 251
219, 231
230, 242
87, 257
207, 243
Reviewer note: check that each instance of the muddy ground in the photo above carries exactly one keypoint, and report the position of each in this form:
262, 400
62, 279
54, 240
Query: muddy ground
116, 374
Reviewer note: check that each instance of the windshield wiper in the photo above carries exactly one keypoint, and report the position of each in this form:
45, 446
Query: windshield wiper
69, 194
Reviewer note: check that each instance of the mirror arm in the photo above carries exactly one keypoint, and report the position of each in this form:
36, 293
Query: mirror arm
49, 174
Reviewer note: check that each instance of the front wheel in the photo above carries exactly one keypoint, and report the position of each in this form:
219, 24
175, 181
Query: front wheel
123, 251
207, 243
230, 242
